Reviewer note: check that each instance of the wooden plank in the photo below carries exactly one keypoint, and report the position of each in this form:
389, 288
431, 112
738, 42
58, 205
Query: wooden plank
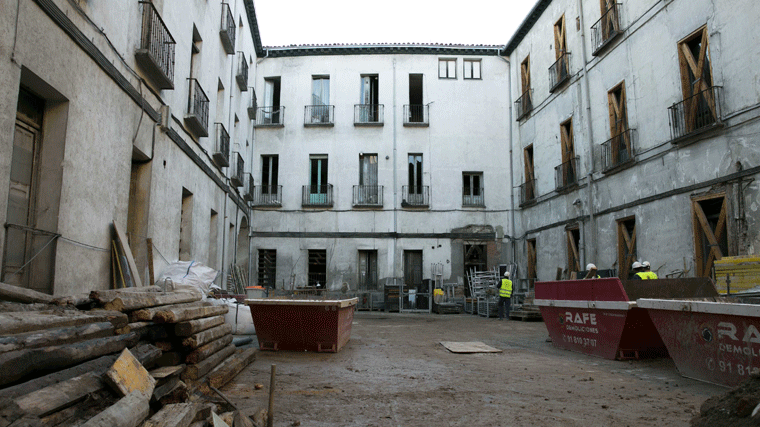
190, 327
128, 252
58, 396
147, 314
205, 337
20, 322
231, 367
129, 411
151, 273
55, 336
176, 315
130, 301
128, 375
193, 372
469, 347
18, 294
16, 364
203, 352
166, 371
176, 415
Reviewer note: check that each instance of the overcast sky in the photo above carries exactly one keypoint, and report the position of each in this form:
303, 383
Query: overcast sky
485, 22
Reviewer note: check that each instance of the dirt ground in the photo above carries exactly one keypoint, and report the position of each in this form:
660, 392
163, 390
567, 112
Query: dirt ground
395, 372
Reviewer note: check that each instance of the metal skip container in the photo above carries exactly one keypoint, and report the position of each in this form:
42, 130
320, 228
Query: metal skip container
600, 317
712, 341
302, 324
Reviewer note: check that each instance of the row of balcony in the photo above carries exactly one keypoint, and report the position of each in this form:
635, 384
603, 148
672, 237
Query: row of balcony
324, 115
368, 196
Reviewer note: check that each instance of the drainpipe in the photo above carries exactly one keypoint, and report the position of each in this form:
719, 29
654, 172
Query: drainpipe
395, 177
590, 187
512, 239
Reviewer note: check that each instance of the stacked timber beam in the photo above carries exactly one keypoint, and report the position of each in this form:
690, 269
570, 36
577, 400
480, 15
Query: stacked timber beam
63, 366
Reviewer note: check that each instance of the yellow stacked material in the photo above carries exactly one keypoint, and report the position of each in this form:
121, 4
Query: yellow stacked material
743, 271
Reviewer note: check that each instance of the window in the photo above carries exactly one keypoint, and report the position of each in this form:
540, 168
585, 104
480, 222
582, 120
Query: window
368, 270
213, 239
573, 234
567, 173
524, 103
447, 68
267, 268
368, 100
559, 71
621, 149
525, 75
472, 189
415, 173
319, 111
700, 107
269, 172
271, 111
368, 188
415, 113
471, 69
530, 248
560, 42
317, 275
709, 216
626, 236
318, 187
186, 226
528, 190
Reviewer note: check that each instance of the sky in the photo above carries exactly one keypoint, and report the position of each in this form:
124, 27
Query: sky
483, 22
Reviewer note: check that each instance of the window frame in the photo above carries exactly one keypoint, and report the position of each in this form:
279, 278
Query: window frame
448, 68
470, 61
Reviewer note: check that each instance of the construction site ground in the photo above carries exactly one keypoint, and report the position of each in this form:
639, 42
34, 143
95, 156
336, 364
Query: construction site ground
395, 372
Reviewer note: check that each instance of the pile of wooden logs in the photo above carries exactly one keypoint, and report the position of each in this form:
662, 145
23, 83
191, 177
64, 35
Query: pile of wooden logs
61, 366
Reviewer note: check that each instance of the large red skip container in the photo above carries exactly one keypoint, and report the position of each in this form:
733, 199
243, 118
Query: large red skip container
716, 342
302, 325
599, 317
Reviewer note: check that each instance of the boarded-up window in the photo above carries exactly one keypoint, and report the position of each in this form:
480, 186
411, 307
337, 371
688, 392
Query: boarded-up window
573, 235
530, 178
267, 267
530, 245
525, 75
560, 41
620, 148
696, 80
317, 268
710, 222
569, 174
626, 236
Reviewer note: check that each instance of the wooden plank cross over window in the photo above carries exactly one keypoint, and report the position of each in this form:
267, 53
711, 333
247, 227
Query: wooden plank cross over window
568, 152
710, 232
525, 75
532, 258
696, 79
573, 258
530, 179
560, 44
610, 23
621, 148
626, 245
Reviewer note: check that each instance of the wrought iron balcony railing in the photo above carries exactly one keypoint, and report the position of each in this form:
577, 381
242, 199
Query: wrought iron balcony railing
252, 105
248, 187
237, 169
415, 196
227, 29
528, 192
695, 114
368, 195
473, 197
606, 28
566, 174
267, 195
156, 53
368, 114
524, 104
416, 115
270, 116
317, 195
319, 115
242, 72
197, 109
221, 155
559, 72
618, 151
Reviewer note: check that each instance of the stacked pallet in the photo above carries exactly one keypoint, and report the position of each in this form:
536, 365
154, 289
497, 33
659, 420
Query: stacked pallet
527, 310
62, 366
739, 273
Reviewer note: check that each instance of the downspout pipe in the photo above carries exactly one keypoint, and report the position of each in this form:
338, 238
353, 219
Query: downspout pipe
511, 228
589, 131
395, 177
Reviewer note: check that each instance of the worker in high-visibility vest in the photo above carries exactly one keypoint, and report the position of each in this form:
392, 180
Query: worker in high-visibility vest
505, 296
648, 271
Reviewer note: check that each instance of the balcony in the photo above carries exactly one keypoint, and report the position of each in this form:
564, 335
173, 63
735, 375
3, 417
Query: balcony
368, 196
368, 115
237, 170
267, 196
252, 105
270, 117
473, 197
559, 72
221, 155
248, 187
617, 152
242, 72
156, 53
319, 115
524, 104
227, 30
606, 29
528, 192
416, 115
197, 109
566, 174
317, 196
696, 114
415, 196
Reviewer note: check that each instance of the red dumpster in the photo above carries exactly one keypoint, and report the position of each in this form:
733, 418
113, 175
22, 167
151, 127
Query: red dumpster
302, 325
600, 317
716, 342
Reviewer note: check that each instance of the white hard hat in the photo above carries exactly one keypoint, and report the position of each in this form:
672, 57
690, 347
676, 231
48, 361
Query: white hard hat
645, 264
636, 265
506, 274
590, 266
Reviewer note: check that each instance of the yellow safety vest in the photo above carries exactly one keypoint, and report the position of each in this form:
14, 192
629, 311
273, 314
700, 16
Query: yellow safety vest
647, 275
506, 288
